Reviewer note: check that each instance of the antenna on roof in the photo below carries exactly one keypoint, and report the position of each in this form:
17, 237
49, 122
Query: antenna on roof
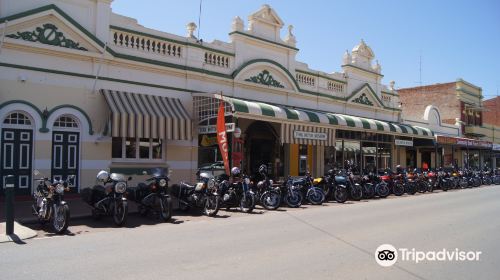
199, 21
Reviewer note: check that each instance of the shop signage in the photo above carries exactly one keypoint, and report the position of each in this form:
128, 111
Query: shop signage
463, 142
209, 129
407, 143
310, 135
496, 147
222, 136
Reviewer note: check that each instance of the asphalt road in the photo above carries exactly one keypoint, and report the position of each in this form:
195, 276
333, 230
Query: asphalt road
323, 242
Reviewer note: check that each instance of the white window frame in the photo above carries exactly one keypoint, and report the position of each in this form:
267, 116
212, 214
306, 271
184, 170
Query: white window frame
137, 158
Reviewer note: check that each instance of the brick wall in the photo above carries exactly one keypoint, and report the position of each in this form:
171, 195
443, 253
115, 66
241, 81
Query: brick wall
443, 96
492, 114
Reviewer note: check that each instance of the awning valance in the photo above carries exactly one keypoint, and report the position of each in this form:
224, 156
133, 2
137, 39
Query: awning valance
147, 116
294, 115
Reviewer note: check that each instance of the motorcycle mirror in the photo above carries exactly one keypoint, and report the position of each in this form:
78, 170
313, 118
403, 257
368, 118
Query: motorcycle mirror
129, 178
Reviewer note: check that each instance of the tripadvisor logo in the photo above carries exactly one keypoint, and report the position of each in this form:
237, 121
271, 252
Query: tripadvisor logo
387, 255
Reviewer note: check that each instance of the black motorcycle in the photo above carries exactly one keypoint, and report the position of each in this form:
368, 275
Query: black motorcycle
236, 193
152, 196
291, 193
108, 198
203, 195
268, 195
49, 204
313, 194
334, 185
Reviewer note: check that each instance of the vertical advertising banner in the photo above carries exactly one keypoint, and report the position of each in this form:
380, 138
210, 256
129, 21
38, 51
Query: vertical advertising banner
222, 136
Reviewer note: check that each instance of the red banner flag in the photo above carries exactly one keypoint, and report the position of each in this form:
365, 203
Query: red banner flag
222, 136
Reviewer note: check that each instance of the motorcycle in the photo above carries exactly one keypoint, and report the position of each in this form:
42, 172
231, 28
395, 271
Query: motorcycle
382, 185
237, 193
291, 193
152, 197
310, 192
268, 195
49, 204
334, 185
109, 197
410, 183
397, 184
203, 195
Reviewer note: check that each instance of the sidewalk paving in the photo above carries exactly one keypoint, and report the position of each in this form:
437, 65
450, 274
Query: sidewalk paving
23, 213
20, 233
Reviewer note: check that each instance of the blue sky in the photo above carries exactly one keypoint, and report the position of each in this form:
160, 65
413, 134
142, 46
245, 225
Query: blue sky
456, 39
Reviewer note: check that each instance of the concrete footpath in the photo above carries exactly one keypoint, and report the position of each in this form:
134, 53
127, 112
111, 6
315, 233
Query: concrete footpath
23, 213
20, 233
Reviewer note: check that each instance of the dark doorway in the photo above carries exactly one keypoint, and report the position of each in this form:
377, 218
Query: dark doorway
262, 147
426, 160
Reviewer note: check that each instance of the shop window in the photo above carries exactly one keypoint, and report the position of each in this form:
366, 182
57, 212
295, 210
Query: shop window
384, 156
136, 148
369, 150
352, 153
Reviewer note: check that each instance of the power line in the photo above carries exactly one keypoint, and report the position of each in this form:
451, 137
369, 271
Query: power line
199, 20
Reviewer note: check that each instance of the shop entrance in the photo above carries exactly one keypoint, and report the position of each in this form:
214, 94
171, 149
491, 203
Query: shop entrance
426, 160
262, 147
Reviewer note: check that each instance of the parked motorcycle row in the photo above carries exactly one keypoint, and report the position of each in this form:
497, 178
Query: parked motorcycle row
111, 195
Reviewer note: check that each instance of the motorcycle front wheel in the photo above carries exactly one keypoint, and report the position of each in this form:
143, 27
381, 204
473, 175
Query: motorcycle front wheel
60, 221
212, 204
382, 190
120, 212
368, 191
165, 208
398, 189
356, 192
315, 196
410, 188
270, 200
247, 203
340, 194
293, 199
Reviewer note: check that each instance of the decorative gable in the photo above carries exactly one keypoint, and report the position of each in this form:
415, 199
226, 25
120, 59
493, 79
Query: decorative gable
50, 27
362, 99
47, 34
265, 78
365, 95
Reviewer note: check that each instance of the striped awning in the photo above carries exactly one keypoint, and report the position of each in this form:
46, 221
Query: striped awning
147, 116
317, 118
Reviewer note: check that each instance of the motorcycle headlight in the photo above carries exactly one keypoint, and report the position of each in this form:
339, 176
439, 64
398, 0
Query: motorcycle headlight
247, 181
271, 182
163, 182
120, 187
59, 189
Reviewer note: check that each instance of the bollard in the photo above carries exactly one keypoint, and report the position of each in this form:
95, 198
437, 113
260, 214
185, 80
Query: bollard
9, 203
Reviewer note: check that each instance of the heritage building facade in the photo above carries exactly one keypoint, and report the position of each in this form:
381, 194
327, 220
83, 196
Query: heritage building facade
84, 89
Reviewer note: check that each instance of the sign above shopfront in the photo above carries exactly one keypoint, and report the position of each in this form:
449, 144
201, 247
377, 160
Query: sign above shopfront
407, 143
212, 129
310, 135
496, 147
464, 142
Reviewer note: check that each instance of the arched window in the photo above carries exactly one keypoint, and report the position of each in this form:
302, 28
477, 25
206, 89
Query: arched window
17, 118
66, 121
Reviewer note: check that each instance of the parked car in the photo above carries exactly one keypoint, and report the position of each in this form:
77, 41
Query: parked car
215, 169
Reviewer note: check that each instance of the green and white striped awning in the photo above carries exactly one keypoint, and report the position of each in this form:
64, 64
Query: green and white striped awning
147, 116
294, 115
